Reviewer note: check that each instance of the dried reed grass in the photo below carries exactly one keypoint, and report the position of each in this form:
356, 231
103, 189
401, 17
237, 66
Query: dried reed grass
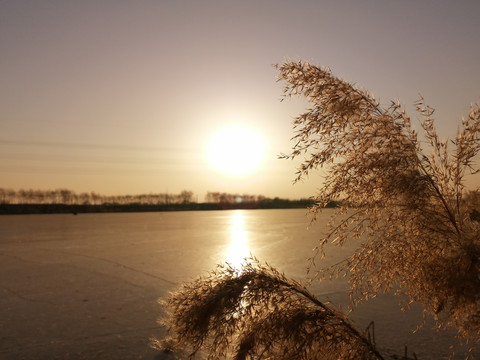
420, 236
419, 228
257, 313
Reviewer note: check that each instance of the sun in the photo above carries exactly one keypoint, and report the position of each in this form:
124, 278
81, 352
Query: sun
235, 151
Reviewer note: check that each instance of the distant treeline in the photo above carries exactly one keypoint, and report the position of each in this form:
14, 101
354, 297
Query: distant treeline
68, 197
67, 201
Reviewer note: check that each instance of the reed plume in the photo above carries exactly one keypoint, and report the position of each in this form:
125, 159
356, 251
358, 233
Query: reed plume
257, 313
410, 208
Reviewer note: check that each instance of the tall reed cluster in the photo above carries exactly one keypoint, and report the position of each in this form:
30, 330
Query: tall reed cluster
403, 196
419, 235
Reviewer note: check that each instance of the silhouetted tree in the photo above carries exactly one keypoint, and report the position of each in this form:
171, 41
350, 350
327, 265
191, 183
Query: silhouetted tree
4, 196
186, 197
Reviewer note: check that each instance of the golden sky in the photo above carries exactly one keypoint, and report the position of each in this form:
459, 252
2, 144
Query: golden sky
124, 97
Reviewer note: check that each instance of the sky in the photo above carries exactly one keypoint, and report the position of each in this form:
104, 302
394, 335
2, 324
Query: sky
128, 97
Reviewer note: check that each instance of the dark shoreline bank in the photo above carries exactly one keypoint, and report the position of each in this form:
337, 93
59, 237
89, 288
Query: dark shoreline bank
23, 209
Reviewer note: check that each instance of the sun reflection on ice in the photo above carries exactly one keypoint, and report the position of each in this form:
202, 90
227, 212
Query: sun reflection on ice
238, 249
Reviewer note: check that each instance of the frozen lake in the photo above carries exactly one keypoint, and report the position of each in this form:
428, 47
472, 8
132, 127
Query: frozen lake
86, 286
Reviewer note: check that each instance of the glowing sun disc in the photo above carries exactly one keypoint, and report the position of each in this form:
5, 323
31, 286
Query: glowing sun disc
235, 151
